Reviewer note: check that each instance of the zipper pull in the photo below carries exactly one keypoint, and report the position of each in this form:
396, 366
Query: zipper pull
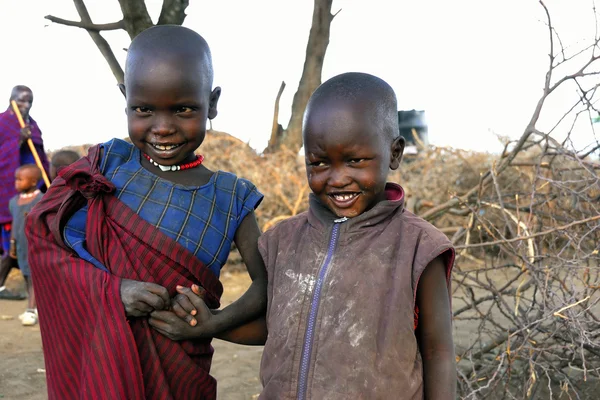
340, 220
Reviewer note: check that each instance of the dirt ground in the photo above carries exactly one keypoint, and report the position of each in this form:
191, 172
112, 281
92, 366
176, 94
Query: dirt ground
235, 367
22, 374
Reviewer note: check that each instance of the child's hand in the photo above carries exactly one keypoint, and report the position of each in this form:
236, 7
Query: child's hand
170, 325
183, 304
12, 252
141, 298
190, 318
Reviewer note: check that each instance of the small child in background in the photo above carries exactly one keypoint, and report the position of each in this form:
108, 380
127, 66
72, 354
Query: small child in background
27, 178
61, 159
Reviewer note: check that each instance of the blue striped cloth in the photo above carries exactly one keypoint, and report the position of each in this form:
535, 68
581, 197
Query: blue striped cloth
203, 219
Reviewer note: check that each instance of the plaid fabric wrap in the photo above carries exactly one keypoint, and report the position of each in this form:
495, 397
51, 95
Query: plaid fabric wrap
13, 156
202, 219
92, 351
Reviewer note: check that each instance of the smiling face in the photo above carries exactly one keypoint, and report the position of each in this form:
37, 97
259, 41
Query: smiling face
348, 155
167, 107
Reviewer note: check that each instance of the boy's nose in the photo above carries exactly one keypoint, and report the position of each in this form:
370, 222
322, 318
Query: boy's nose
163, 126
339, 179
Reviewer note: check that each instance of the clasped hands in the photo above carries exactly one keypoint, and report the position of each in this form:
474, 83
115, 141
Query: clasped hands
183, 317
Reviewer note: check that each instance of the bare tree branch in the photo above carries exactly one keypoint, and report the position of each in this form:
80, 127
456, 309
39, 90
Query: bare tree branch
90, 27
135, 20
538, 234
276, 129
101, 43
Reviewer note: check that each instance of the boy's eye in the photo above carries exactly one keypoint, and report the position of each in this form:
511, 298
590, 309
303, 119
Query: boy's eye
317, 164
358, 162
184, 110
141, 110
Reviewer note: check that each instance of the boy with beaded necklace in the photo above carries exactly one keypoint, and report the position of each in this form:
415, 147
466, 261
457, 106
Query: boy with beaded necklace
123, 229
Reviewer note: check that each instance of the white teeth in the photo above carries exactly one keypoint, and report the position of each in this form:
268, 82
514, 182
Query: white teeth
164, 148
343, 197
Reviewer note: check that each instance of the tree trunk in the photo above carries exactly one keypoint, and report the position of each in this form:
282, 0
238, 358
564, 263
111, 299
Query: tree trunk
173, 12
318, 40
136, 17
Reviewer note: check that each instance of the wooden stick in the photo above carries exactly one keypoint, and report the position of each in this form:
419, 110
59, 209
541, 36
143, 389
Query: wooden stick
30, 143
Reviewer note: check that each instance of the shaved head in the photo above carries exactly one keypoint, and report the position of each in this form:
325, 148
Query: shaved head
371, 96
64, 158
169, 77
351, 141
61, 159
165, 46
18, 89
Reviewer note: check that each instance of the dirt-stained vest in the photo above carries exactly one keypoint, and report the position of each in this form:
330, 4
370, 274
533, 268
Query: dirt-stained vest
341, 300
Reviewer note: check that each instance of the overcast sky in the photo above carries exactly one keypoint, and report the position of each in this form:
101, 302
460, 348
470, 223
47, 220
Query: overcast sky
475, 66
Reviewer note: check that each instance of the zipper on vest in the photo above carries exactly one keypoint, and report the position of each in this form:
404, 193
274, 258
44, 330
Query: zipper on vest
314, 308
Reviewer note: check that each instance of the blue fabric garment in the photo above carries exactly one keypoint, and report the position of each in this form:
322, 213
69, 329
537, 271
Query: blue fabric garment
26, 156
203, 219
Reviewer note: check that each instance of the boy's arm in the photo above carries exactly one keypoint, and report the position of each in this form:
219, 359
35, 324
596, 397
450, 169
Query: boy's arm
253, 303
12, 250
434, 333
253, 333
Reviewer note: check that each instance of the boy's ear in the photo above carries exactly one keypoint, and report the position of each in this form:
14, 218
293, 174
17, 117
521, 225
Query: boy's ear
122, 89
212, 104
396, 153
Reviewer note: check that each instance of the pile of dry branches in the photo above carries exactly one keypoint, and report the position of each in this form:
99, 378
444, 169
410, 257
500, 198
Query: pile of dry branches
527, 232
527, 277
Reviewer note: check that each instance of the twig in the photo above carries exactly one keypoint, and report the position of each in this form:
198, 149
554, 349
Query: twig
538, 234
558, 313
87, 25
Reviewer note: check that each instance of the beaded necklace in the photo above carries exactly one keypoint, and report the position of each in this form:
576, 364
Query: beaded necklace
29, 195
181, 167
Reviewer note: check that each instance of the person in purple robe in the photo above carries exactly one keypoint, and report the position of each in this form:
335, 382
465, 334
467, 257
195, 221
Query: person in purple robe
15, 152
